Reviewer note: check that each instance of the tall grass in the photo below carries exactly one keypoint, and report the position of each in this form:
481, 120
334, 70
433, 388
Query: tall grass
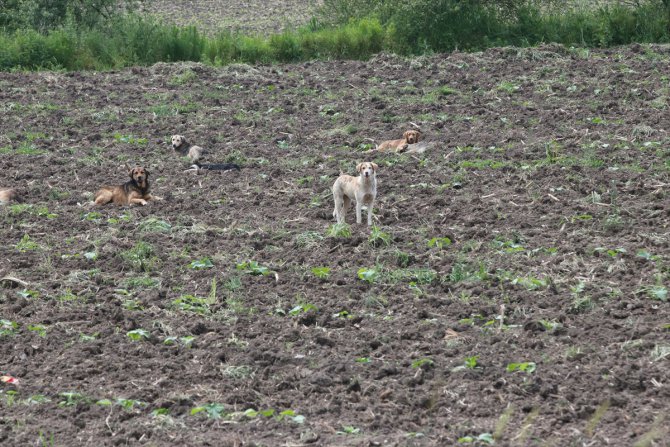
134, 40
406, 27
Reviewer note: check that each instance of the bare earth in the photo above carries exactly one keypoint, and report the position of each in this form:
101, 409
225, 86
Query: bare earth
543, 322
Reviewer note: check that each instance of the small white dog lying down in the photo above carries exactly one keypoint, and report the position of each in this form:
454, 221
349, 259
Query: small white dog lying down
184, 148
361, 189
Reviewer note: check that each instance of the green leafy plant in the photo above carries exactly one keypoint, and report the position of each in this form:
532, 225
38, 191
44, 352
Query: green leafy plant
368, 275
141, 257
192, 303
349, 430
439, 242
27, 293
27, 244
39, 328
138, 334
186, 341
130, 139
471, 362
485, 438
527, 367
8, 328
131, 304
343, 314
321, 272
378, 238
153, 225
302, 308
201, 264
130, 404
70, 399
162, 411
657, 292
252, 268
337, 230
213, 410
423, 363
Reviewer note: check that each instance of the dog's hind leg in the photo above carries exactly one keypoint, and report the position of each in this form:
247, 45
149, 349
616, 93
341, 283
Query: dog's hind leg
102, 197
359, 211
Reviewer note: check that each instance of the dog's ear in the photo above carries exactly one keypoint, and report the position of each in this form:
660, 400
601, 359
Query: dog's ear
130, 170
374, 166
146, 172
406, 134
418, 136
359, 167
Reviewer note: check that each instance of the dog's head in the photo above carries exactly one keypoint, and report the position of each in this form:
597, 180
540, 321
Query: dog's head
139, 175
178, 141
367, 169
412, 136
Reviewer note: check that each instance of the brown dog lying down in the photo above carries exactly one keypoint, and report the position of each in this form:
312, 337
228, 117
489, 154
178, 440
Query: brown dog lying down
134, 191
409, 137
7, 195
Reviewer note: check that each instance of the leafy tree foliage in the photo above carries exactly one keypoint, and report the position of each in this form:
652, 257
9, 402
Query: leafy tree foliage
45, 15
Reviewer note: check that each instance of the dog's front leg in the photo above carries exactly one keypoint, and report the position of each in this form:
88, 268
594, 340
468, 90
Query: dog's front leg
359, 210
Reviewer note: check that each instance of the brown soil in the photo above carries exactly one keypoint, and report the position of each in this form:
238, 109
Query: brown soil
549, 173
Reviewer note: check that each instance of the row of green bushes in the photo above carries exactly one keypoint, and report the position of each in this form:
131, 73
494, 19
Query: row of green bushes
406, 27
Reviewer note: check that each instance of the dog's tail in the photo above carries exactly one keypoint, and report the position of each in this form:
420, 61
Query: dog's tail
219, 167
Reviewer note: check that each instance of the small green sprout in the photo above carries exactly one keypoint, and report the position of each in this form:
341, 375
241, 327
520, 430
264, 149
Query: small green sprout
27, 244
368, 275
138, 334
321, 272
424, 363
378, 238
303, 307
71, 399
439, 242
527, 367
486, 438
201, 264
160, 412
212, 410
40, 329
8, 327
27, 293
252, 268
342, 230
349, 430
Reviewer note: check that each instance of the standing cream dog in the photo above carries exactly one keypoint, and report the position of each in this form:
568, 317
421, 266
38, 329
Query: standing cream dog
362, 189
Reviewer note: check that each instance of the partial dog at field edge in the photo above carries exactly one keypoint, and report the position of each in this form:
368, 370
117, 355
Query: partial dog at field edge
184, 148
361, 189
409, 137
7, 195
134, 191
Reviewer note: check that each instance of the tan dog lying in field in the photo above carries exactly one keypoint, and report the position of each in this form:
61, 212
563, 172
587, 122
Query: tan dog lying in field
409, 137
134, 191
361, 189
7, 195
194, 153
